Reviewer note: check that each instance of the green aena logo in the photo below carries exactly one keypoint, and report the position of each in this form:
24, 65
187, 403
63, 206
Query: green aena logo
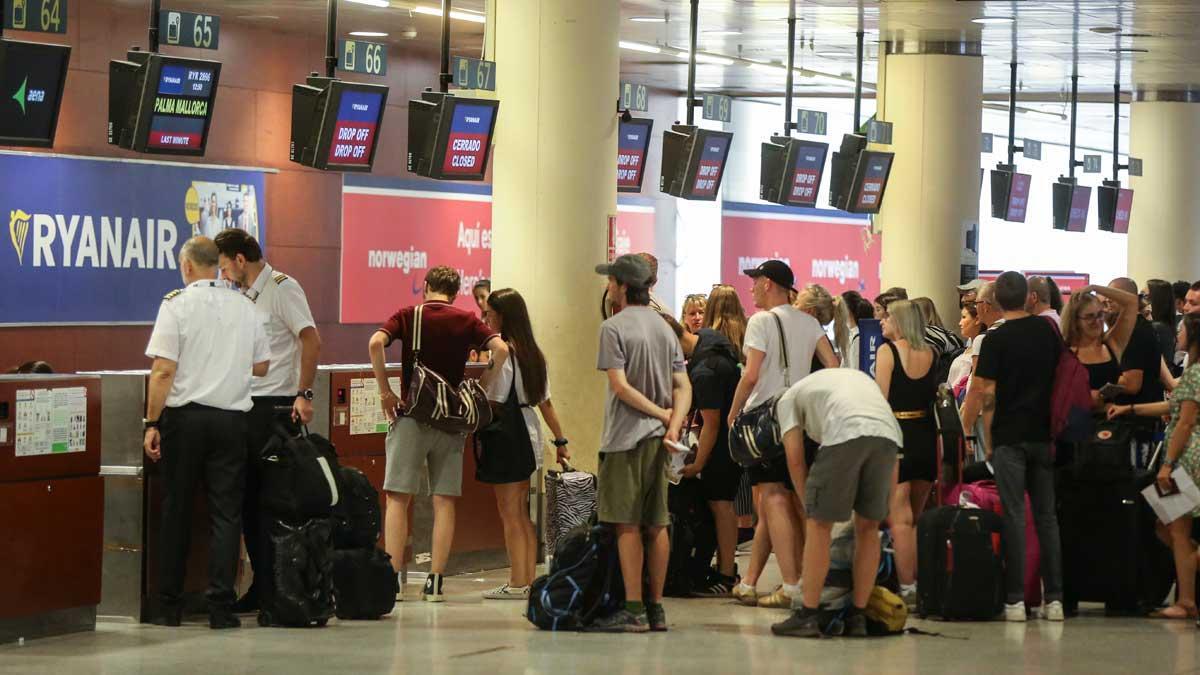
25, 95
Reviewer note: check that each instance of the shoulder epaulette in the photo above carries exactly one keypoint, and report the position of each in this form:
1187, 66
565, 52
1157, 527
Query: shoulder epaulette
173, 294
280, 278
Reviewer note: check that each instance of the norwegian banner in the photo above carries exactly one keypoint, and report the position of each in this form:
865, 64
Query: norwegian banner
633, 230
394, 231
97, 241
824, 247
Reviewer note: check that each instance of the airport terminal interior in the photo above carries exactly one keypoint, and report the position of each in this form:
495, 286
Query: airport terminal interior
199, 190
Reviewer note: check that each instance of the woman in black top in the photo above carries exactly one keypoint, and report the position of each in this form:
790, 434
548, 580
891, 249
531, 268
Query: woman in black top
1162, 318
1083, 331
906, 375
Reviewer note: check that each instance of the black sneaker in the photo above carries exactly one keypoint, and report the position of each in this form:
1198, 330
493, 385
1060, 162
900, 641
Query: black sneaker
248, 603
170, 616
622, 621
220, 619
656, 616
856, 622
802, 623
716, 586
433, 589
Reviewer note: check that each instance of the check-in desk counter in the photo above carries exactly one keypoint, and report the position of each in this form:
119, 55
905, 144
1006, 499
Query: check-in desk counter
52, 501
348, 412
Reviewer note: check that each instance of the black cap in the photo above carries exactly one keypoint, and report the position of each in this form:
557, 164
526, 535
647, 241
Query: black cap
629, 269
775, 270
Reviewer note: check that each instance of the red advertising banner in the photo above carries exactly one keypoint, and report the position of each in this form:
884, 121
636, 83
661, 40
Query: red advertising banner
1068, 282
839, 253
392, 237
633, 232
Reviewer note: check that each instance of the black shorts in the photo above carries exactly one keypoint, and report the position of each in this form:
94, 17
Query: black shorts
918, 459
720, 478
771, 471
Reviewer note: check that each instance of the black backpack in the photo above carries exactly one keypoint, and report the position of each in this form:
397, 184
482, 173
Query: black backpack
356, 518
299, 475
584, 582
302, 590
364, 584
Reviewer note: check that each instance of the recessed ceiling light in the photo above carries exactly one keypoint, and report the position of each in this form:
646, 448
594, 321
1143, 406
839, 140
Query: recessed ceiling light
1130, 50
989, 20
367, 33
1105, 30
648, 19
639, 47
722, 32
373, 3
454, 13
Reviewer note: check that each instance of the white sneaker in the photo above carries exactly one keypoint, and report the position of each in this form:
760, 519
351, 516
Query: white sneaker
507, 592
1016, 612
1052, 611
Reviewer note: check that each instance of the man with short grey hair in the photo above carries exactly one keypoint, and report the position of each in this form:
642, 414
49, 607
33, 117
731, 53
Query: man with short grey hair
1038, 302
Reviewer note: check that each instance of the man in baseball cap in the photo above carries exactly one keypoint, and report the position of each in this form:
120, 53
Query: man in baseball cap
629, 269
775, 270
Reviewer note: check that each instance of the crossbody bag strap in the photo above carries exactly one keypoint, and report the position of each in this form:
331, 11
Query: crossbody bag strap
418, 312
783, 350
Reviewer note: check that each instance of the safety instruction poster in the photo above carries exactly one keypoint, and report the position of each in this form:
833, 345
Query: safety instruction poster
366, 412
51, 421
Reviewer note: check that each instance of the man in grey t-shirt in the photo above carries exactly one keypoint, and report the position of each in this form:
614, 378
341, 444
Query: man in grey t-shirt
648, 399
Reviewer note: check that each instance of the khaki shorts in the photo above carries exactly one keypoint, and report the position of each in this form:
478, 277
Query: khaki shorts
632, 486
855, 475
412, 448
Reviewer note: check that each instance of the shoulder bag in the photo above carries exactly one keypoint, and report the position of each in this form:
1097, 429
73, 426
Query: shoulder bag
754, 437
505, 442
431, 400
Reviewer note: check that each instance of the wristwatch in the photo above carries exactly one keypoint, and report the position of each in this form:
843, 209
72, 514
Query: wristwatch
1170, 463
560, 442
148, 424
306, 394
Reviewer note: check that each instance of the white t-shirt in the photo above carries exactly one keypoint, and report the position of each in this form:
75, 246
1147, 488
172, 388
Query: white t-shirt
802, 332
836, 405
850, 358
1053, 316
498, 391
215, 336
283, 306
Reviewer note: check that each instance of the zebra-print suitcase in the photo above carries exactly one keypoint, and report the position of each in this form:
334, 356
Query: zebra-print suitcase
570, 502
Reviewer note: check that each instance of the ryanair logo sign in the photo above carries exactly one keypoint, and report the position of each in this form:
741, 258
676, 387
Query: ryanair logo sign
62, 240
18, 230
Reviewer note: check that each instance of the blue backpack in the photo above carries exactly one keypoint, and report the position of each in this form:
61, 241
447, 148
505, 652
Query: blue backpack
584, 583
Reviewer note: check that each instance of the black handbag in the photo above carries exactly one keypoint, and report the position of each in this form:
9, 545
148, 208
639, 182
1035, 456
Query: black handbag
431, 400
754, 437
504, 441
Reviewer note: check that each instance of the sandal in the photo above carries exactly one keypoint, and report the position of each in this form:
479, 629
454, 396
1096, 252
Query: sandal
1176, 613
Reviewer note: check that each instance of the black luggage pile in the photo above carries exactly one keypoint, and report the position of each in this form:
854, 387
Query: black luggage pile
584, 583
960, 564
299, 490
364, 583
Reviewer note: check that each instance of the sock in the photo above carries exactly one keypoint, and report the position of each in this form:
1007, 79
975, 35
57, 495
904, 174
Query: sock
635, 608
908, 588
791, 590
745, 588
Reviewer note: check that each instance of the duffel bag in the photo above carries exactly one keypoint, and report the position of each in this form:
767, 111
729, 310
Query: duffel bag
299, 476
302, 593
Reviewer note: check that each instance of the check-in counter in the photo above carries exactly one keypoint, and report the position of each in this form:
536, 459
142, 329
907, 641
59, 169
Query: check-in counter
52, 499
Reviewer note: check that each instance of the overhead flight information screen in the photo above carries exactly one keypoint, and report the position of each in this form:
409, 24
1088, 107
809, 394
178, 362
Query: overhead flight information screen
470, 137
869, 197
183, 101
31, 86
713, 152
355, 127
632, 142
806, 173
1018, 197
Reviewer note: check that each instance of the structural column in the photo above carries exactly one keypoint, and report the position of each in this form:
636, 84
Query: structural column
1164, 229
931, 92
554, 187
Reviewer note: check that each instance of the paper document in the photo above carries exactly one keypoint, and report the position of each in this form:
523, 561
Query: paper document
1171, 507
678, 455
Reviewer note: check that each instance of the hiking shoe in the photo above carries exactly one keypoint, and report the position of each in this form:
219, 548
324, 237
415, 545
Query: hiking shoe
433, 589
1052, 611
856, 622
507, 592
802, 623
656, 616
717, 586
776, 600
1015, 612
746, 595
621, 621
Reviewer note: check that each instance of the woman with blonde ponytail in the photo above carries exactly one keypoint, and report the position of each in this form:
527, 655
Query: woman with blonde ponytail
825, 308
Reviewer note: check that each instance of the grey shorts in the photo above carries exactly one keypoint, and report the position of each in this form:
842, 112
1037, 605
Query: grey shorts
410, 447
855, 475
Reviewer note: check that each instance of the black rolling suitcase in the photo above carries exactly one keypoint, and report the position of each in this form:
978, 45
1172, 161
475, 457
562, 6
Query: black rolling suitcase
364, 583
960, 564
301, 592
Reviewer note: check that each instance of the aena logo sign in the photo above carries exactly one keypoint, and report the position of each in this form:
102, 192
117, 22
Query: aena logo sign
25, 95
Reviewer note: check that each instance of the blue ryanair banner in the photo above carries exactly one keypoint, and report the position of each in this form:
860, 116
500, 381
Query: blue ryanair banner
97, 241
870, 337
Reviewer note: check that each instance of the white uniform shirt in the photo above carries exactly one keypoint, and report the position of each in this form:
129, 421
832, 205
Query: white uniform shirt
836, 405
283, 307
498, 391
802, 332
215, 336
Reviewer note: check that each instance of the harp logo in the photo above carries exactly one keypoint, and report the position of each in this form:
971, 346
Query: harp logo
18, 232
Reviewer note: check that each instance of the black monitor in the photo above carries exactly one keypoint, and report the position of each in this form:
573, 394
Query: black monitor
335, 124
870, 180
841, 169
1010, 193
693, 161
160, 104
1071, 202
32, 78
1114, 204
450, 138
791, 171
633, 141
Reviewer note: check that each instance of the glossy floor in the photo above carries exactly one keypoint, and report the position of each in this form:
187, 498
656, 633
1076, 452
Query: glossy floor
470, 635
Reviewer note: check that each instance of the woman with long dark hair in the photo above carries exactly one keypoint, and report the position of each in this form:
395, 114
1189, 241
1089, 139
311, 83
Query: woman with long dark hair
508, 462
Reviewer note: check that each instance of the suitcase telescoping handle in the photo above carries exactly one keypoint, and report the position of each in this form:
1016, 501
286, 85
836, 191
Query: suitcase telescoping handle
283, 427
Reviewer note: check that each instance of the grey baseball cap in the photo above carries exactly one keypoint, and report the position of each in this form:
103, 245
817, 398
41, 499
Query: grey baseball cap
629, 269
973, 285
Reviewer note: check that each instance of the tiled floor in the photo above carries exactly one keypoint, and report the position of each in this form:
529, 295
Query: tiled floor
469, 635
